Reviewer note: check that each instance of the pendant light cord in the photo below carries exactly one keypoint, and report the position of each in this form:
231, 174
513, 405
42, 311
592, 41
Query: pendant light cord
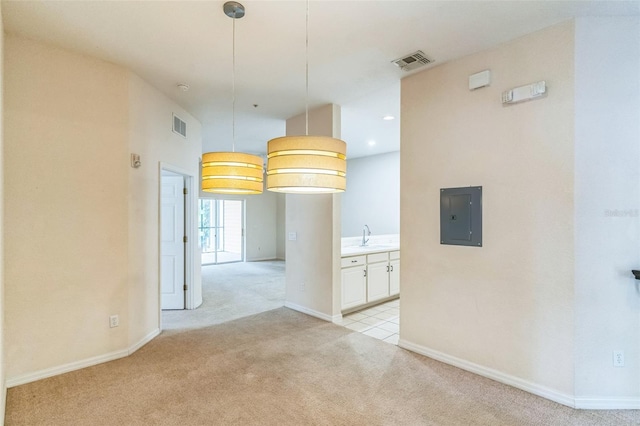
306, 120
233, 88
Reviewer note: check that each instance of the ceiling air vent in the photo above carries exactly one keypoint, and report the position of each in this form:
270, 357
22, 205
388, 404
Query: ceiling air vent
415, 60
179, 126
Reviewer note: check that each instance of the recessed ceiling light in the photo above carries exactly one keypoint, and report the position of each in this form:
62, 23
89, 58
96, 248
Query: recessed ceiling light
372, 143
388, 117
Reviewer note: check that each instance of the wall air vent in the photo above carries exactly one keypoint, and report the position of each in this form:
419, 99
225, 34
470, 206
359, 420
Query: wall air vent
415, 60
179, 126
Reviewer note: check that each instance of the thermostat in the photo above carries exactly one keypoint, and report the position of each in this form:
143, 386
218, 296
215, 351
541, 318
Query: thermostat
480, 79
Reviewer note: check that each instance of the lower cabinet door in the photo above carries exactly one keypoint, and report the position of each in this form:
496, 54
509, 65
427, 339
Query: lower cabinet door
354, 287
394, 277
377, 281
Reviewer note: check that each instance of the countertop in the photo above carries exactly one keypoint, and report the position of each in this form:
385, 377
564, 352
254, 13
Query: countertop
373, 248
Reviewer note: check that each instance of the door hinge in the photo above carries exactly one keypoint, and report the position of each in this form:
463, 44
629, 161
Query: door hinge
184, 239
185, 191
185, 287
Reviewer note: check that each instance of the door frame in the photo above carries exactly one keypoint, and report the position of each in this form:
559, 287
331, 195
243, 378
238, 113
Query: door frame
190, 226
173, 188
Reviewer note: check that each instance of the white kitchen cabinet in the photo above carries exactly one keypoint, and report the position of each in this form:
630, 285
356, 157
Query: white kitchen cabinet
377, 281
394, 277
369, 278
354, 286
394, 272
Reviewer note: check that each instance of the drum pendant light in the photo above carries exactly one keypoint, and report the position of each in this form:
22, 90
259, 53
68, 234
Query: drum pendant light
306, 164
232, 172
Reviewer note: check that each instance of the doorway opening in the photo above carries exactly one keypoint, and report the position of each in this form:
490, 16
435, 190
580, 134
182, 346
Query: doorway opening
221, 230
236, 289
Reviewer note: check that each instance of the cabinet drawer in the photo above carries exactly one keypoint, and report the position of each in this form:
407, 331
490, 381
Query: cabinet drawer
393, 255
354, 261
378, 257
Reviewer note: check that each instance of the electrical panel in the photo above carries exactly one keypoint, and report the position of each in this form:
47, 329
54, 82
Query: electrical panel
461, 216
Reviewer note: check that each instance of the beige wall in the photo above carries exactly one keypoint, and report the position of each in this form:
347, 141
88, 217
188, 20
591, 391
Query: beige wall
261, 226
150, 136
373, 197
66, 206
281, 242
81, 226
3, 387
313, 260
506, 307
607, 205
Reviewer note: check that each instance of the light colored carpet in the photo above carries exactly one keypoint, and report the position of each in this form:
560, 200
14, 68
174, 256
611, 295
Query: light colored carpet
282, 367
231, 291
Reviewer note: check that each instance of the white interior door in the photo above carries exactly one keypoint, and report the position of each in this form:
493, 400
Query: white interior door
172, 275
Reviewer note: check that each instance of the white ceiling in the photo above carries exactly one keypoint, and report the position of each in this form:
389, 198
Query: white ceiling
351, 44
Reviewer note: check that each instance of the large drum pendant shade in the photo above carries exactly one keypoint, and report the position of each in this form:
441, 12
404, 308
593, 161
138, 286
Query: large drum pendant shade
306, 165
232, 173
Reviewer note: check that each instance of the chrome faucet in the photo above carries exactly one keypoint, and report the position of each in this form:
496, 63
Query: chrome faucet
365, 233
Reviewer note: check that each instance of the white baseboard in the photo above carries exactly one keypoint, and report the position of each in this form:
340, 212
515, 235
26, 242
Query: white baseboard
65, 368
313, 313
611, 403
336, 319
490, 373
579, 402
77, 365
146, 339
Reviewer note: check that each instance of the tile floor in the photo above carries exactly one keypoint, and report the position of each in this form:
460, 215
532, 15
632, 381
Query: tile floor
380, 321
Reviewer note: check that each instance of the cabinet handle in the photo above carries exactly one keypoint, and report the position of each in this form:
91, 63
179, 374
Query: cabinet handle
354, 261
391, 268
365, 272
387, 268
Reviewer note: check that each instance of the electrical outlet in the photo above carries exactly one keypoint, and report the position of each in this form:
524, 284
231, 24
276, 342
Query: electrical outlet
303, 287
114, 321
618, 358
